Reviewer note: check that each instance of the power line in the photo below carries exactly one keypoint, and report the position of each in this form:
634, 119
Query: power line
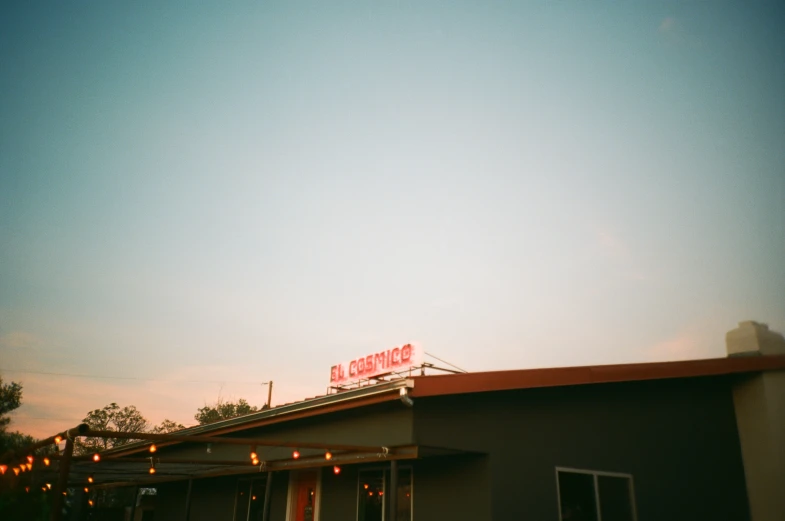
124, 377
448, 363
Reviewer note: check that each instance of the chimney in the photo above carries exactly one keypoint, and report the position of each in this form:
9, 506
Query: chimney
760, 418
753, 339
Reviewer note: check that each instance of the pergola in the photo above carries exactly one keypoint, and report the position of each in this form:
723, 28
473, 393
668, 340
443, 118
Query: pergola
146, 466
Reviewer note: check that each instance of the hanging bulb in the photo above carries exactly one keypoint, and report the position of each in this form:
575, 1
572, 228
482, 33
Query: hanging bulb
296, 454
96, 457
90, 478
30, 459
29, 466
46, 461
254, 455
328, 455
86, 490
255, 461
90, 502
153, 448
3, 468
22, 467
337, 470
152, 470
48, 486
58, 439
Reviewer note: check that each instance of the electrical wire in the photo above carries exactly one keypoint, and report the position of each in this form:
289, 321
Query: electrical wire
448, 363
22, 371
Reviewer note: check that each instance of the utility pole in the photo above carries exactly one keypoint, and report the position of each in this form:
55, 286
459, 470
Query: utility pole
269, 393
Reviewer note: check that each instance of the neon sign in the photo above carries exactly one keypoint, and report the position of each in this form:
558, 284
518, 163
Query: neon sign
392, 360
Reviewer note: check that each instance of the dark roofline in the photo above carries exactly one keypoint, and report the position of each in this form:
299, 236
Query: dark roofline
439, 385
319, 405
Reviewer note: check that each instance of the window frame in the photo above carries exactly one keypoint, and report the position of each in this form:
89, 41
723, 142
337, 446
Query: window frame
596, 474
250, 481
384, 470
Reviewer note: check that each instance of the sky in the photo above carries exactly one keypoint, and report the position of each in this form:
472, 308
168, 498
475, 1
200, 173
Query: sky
196, 198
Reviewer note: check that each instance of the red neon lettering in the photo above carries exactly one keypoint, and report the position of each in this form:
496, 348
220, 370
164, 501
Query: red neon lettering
406, 353
361, 366
396, 356
378, 361
369, 363
333, 373
352, 368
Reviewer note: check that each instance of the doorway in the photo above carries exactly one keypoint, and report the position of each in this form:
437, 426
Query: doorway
304, 496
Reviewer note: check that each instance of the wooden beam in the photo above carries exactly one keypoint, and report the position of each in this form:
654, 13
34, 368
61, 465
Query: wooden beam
149, 436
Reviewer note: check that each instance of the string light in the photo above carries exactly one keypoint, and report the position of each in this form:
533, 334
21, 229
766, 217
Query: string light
365, 486
152, 466
153, 448
96, 457
22, 467
152, 470
29, 466
3, 468
255, 461
58, 439
27, 489
48, 486
296, 454
90, 478
46, 461
86, 490
90, 502
328, 455
337, 470
29, 459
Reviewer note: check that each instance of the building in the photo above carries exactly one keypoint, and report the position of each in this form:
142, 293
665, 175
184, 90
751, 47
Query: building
700, 439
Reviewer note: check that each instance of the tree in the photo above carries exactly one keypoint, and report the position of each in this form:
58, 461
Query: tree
167, 426
10, 399
222, 410
110, 418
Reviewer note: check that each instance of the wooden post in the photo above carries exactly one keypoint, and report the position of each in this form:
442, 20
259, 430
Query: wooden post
392, 494
267, 493
188, 500
62, 481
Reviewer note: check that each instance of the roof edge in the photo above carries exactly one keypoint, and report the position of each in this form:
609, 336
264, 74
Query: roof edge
438, 385
280, 413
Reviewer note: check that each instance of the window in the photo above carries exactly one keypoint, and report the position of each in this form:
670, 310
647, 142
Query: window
249, 500
595, 496
372, 494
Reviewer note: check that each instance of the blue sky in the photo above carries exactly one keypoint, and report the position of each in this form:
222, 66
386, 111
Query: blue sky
203, 198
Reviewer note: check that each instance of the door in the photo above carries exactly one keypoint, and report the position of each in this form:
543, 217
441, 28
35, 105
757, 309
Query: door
305, 497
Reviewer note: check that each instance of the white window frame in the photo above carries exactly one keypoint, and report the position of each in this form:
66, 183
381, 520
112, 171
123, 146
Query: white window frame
384, 470
595, 474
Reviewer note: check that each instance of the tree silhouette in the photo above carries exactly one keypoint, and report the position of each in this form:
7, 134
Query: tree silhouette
222, 410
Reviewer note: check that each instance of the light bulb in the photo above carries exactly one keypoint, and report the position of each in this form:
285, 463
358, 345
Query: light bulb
296, 454
153, 448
